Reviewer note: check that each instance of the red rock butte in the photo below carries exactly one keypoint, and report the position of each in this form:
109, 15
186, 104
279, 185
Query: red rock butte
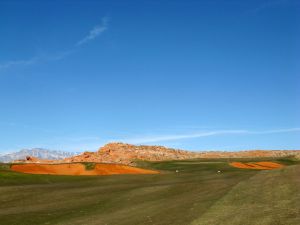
127, 154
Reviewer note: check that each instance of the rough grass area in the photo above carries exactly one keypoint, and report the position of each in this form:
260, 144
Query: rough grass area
4, 167
196, 194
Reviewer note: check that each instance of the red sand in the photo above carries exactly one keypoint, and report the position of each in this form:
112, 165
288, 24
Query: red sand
270, 164
257, 165
78, 169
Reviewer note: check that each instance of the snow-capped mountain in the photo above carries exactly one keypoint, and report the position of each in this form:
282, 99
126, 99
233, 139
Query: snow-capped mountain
36, 152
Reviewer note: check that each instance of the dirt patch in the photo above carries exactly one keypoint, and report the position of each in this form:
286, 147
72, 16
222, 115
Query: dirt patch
79, 169
270, 164
257, 165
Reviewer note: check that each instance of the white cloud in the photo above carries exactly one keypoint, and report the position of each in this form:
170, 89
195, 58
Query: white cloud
58, 55
149, 139
275, 131
93, 143
37, 59
95, 32
161, 138
13, 63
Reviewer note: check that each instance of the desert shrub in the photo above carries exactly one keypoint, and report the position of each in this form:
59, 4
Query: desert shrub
89, 165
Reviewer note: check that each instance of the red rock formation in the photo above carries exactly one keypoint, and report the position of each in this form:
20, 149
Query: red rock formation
127, 154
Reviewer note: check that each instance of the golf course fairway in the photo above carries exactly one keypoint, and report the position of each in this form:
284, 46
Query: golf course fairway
204, 191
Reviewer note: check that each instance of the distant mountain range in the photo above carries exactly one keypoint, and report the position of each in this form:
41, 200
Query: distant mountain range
36, 152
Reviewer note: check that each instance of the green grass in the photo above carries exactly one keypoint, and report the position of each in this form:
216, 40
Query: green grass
197, 194
89, 165
269, 197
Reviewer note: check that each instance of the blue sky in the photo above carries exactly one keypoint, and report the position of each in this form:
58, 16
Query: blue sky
197, 75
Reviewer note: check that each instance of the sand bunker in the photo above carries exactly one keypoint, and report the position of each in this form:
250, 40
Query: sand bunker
79, 169
257, 165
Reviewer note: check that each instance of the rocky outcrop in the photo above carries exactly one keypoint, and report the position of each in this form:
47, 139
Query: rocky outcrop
127, 154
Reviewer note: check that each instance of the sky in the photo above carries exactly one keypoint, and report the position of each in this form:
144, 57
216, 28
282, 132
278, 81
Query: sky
187, 74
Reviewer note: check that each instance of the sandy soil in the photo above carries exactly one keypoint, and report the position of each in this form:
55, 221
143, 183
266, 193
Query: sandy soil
257, 165
79, 169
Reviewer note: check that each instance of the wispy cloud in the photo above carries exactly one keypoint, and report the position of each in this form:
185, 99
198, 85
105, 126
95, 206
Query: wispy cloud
95, 32
13, 63
162, 138
92, 143
37, 59
275, 131
58, 55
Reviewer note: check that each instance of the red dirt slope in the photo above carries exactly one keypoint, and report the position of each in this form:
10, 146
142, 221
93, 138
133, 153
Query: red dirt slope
78, 169
257, 165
